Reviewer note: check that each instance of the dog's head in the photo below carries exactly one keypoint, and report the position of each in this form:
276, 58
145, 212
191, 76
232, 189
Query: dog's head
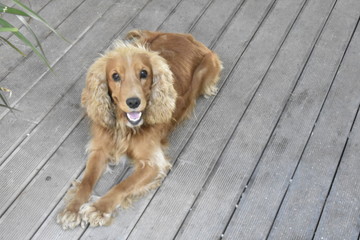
129, 84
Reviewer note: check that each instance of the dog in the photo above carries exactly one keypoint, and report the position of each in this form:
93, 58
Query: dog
135, 95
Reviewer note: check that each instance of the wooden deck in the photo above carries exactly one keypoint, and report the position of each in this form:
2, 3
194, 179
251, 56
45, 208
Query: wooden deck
275, 155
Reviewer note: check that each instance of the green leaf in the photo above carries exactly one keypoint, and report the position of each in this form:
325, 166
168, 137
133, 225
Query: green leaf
35, 16
26, 41
3, 98
9, 30
10, 10
11, 45
27, 26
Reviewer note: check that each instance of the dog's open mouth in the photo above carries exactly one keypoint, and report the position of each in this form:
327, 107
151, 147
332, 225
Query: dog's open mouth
134, 117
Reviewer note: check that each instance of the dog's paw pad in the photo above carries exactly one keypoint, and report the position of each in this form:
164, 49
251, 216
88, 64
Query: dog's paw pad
91, 215
68, 219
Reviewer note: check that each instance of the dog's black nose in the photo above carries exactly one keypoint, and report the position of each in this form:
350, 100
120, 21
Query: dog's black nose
133, 102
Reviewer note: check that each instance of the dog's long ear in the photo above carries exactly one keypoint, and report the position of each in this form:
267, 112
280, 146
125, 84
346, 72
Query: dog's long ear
95, 96
163, 95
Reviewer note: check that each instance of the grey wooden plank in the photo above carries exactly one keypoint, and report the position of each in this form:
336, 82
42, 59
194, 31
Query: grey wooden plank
36, 149
55, 12
33, 204
82, 18
215, 16
340, 217
261, 199
155, 8
317, 167
174, 198
182, 17
216, 203
9, 135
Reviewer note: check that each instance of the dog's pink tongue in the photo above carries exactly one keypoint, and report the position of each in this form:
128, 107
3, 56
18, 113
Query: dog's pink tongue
134, 115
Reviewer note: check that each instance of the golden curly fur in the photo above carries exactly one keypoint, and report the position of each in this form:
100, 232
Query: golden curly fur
135, 94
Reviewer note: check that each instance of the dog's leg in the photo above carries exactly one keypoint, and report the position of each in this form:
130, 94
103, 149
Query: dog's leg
203, 82
207, 73
80, 193
147, 175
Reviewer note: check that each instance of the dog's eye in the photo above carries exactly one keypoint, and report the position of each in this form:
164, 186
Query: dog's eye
143, 74
116, 77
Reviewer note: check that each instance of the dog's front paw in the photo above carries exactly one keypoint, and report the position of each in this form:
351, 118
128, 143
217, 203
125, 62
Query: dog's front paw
68, 219
91, 214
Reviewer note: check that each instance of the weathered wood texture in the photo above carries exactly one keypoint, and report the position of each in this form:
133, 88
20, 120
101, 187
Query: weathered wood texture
270, 179
343, 200
274, 155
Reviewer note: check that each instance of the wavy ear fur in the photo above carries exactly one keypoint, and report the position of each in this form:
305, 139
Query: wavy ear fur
95, 96
163, 95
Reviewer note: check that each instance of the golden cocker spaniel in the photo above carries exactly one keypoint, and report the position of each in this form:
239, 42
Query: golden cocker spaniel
135, 94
